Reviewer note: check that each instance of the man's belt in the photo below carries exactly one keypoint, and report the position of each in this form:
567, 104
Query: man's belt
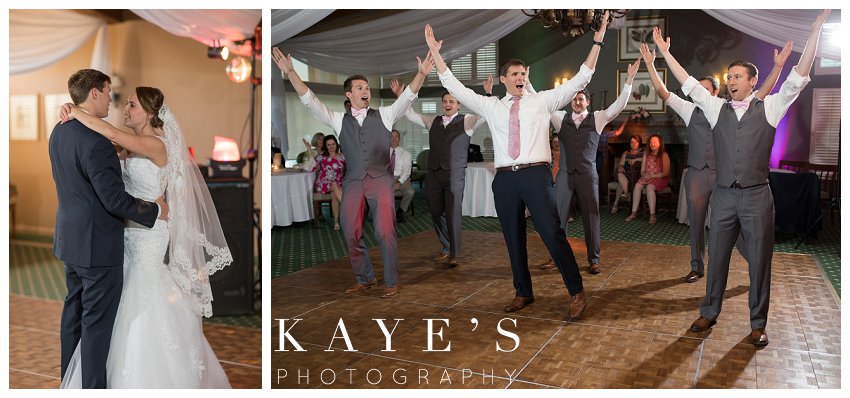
520, 166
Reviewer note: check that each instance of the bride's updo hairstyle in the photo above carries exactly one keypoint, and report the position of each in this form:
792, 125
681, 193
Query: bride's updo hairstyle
151, 100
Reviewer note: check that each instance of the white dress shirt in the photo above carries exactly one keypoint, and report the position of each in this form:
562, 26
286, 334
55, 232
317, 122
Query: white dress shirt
534, 113
685, 109
602, 117
403, 163
333, 119
470, 122
775, 105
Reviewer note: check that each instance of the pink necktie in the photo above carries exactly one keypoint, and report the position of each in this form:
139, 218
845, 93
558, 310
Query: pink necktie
740, 105
358, 112
578, 118
513, 129
447, 119
392, 161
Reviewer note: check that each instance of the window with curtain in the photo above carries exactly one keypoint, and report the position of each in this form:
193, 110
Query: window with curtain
826, 126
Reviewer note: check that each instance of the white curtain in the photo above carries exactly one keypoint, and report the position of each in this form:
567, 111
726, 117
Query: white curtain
288, 23
205, 25
778, 26
38, 38
390, 45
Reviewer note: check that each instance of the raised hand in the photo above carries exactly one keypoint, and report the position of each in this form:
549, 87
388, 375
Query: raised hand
433, 44
427, 65
488, 84
284, 62
306, 143
663, 45
648, 56
633, 69
397, 87
779, 57
598, 36
818, 24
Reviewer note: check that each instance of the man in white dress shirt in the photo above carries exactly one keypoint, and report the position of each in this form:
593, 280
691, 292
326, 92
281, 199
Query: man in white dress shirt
400, 163
519, 123
744, 129
365, 134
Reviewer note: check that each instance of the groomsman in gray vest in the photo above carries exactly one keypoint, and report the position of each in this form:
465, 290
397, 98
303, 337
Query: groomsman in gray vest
365, 133
519, 126
448, 137
744, 129
578, 135
701, 176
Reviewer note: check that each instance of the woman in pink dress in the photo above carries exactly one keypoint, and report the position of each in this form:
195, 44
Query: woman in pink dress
654, 175
330, 167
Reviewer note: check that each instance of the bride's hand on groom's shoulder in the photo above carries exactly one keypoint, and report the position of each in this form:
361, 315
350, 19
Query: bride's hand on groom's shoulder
65, 112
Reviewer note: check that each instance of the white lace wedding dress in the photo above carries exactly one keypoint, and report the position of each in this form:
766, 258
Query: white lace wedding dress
158, 339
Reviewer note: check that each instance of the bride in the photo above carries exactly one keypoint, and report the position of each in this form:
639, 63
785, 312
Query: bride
158, 339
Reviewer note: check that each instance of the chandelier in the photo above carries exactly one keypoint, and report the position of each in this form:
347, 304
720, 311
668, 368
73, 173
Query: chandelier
573, 22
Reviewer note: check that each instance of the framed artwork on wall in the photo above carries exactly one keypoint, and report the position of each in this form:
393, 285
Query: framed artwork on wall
23, 117
635, 31
643, 94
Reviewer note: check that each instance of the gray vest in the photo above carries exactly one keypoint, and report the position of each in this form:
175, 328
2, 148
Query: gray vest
743, 147
700, 142
366, 147
578, 145
449, 145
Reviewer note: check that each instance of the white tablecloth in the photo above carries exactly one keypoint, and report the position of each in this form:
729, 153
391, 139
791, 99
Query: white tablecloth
477, 193
292, 197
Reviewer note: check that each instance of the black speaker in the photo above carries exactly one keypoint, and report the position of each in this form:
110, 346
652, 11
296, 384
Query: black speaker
233, 286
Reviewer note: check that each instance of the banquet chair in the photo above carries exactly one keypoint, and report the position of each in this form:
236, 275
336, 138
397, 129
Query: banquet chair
421, 167
796, 166
828, 176
612, 186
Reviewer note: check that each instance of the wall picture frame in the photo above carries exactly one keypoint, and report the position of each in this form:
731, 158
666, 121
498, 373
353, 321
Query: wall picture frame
637, 30
23, 117
643, 94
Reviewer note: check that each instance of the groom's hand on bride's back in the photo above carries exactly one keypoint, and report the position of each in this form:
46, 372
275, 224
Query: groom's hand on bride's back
163, 208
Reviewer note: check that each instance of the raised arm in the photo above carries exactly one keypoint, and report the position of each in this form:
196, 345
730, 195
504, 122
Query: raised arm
284, 62
464, 95
779, 58
598, 37
414, 117
804, 66
145, 145
434, 47
622, 100
649, 60
664, 48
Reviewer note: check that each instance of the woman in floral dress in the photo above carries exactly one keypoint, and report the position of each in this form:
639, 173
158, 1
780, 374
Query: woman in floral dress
654, 175
330, 167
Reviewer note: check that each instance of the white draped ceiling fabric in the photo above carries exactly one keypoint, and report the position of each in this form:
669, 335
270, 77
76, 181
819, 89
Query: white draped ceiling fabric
288, 23
38, 38
776, 27
205, 26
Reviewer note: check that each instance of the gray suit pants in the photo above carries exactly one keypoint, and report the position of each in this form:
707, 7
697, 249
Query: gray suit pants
748, 212
444, 189
379, 193
586, 187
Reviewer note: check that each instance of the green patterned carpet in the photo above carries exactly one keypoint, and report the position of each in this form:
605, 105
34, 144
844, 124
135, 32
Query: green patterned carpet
35, 272
303, 245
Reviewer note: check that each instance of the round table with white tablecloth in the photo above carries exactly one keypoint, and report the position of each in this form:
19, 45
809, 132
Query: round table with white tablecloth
477, 192
292, 197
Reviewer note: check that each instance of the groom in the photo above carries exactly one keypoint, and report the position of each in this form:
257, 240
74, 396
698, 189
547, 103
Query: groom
89, 236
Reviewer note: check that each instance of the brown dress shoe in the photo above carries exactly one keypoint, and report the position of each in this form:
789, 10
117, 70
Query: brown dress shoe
693, 276
759, 338
595, 268
390, 291
577, 306
701, 324
361, 287
548, 265
519, 303
441, 257
453, 262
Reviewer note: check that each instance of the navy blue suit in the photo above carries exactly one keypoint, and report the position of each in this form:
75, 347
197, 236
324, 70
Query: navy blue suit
89, 239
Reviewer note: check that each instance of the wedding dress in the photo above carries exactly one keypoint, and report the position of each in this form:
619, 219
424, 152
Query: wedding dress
157, 339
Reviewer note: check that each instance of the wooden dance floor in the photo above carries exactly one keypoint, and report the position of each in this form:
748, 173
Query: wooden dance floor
633, 334
34, 357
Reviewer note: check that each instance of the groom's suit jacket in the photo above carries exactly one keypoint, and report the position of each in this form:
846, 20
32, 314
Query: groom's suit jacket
92, 201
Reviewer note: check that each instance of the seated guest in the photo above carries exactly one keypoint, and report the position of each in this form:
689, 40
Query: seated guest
624, 169
316, 144
330, 167
401, 163
474, 154
654, 175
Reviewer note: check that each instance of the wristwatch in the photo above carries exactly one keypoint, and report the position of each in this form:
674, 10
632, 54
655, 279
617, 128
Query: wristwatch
488, 94
598, 43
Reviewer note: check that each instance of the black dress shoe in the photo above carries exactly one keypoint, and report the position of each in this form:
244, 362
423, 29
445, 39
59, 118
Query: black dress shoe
759, 338
701, 324
693, 276
548, 265
519, 303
